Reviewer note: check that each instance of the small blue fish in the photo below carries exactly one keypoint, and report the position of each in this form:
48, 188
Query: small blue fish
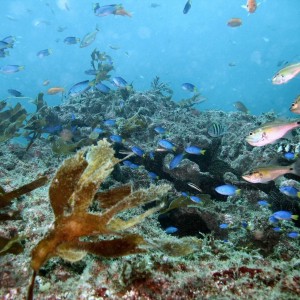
224, 226
152, 175
105, 10
284, 215
152, 155
194, 150
119, 82
195, 199
9, 69
3, 53
71, 40
227, 190
138, 151
9, 40
102, 88
98, 130
187, 6
52, 129
167, 145
184, 194
263, 203
110, 122
122, 103
293, 234
116, 138
276, 229
171, 229
159, 130
272, 219
244, 224
175, 162
290, 156
130, 164
79, 88
15, 93
189, 87
44, 53
290, 191
4, 45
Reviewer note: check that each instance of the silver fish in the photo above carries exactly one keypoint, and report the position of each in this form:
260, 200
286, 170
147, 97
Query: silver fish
89, 38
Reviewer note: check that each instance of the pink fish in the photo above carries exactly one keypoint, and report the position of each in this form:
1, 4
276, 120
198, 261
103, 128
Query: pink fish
270, 132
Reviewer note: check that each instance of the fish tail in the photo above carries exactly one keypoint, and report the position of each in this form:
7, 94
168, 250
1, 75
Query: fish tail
295, 217
237, 192
295, 167
203, 152
298, 194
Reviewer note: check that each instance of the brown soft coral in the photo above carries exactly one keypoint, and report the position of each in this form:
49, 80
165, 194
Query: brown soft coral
71, 192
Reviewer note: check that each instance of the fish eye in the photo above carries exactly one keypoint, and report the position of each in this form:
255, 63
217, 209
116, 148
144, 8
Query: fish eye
293, 104
250, 133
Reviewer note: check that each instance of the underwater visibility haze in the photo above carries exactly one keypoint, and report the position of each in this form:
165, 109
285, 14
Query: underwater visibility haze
150, 149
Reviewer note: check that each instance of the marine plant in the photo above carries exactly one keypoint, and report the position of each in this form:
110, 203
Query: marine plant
12, 245
34, 126
160, 87
102, 64
11, 121
71, 193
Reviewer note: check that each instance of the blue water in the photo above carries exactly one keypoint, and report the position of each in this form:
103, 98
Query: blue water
196, 47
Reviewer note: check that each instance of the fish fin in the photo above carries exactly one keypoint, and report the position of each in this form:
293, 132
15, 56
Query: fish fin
295, 217
296, 167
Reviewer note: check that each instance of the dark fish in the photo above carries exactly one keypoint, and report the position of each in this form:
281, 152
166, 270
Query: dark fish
187, 7
79, 88
216, 130
15, 93
240, 106
61, 28
44, 53
91, 72
71, 40
154, 5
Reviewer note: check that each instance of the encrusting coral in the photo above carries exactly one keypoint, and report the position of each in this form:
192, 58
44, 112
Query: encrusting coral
71, 192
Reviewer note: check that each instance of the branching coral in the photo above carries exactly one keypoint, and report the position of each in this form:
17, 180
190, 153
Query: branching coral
71, 192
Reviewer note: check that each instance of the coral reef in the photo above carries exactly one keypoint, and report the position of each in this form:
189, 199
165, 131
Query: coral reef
246, 260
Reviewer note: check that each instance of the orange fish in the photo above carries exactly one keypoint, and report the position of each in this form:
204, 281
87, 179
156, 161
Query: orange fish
122, 12
55, 90
251, 6
234, 22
